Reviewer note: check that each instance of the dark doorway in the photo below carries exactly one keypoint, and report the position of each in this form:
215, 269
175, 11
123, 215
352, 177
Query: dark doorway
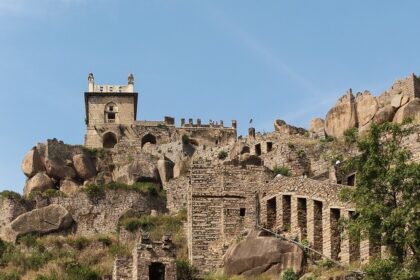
109, 140
258, 149
148, 138
157, 271
269, 146
271, 213
351, 180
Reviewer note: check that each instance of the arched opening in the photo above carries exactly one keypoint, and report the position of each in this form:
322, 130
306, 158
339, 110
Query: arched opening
157, 271
148, 138
245, 150
111, 113
109, 140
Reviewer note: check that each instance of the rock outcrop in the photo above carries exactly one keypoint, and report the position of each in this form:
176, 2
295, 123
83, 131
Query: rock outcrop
32, 163
342, 116
260, 254
40, 182
44, 220
166, 169
84, 166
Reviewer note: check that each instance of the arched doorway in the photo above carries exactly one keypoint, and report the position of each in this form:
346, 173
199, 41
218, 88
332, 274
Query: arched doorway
157, 271
148, 138
109, 140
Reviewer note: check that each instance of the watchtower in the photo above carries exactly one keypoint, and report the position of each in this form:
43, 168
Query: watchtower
108, 107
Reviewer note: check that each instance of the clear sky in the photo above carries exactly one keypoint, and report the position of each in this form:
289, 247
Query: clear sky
209, 59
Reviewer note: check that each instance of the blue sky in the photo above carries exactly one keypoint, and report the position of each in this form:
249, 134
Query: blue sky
209, 59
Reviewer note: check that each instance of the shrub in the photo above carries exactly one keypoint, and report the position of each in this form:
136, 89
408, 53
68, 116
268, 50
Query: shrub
77, 271
350, 135
80, 243
281, 170
185, 271
185, 139
94, 192
29, 240
291, 146
222, 155
327, 139
301, 153
119, 250
14, 275
11, 195
289, 274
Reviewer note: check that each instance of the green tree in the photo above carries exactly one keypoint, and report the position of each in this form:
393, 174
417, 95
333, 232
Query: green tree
387, 197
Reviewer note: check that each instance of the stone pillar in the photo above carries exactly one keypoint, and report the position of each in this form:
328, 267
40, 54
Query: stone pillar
345, 242
295, 230
311, 225
190, 121
182, 122
251, 132
221, 123
199, 122
364, 251
279, 202
234, 124
326, 231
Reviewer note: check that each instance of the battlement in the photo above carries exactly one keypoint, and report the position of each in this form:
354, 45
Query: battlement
210, 124
110, 88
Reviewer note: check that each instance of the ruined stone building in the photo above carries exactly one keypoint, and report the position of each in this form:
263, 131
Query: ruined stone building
111, 112
227, 184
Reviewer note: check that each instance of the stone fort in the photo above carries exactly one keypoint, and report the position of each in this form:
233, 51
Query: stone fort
226, 183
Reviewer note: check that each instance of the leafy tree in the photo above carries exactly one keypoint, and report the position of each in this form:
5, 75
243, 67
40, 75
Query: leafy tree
387, 198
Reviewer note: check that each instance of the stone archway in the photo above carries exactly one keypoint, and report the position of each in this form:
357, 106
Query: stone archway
148, 138
109, 140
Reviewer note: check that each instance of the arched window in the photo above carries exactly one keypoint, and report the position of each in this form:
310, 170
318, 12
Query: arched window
111, 112
109, 140
148, 138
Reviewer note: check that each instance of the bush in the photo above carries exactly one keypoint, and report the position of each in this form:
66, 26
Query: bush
80, 243
291, 146
222, 155
289, 274
301, 153
119, 250
14, 275
94, 192
327, 139
11, 195
185, 271
350, 135
281, 170
185, 139
81, 272
29, 240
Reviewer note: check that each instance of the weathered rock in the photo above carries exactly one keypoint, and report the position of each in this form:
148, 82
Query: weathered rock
44, 220
258, 254
239, 149
69, 187
59, 170
317, 128
166, 169
284, 128
366, 107
341, 117
32, 163
84, 166
385, 114
396, 101
410, 110
143, 168
40, 182
182, 165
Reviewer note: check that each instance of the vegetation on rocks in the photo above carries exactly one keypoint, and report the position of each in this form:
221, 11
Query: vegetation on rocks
281, 170
387, 199
57, 258
148, 188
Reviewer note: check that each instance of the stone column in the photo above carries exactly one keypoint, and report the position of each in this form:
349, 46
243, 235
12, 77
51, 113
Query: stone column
295, 230
326, 231
310, 218
279, 218
364, 251
345, 242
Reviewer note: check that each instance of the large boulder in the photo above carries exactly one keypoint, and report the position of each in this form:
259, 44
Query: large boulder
143, 168
282, 127
166, 169
32, 163
261, 254
84, 166
69, 187
341, 117
385, 114
43, 220
59, 170
366, 108
182, 166
317, 128
410, 110
40, 182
